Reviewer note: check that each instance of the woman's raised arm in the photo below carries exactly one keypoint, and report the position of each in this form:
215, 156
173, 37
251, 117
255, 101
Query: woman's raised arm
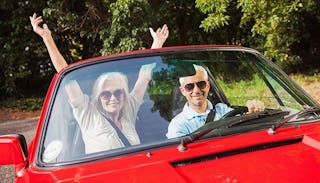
159, 38
73, 89
57, 59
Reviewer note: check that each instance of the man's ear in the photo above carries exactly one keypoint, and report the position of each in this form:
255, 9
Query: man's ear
182, 91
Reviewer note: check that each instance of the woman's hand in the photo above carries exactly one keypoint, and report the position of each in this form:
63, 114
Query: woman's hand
41, 31
146, 71
160, 36
143, 80
57, 59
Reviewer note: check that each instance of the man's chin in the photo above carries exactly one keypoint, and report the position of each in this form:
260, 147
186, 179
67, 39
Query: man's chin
198, 102
198, 99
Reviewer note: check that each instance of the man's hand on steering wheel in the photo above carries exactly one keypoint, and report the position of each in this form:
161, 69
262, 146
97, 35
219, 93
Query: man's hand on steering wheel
255, 106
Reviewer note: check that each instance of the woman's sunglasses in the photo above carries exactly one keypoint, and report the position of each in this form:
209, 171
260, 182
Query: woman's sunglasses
200, 84
106, 95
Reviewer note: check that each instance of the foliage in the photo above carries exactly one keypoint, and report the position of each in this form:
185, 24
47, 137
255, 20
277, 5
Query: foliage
286, 31
25, 104
20, 73
274, 26
238, 92
310, 83
127, 24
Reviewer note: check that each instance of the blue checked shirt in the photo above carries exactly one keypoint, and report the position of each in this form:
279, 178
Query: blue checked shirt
189, 120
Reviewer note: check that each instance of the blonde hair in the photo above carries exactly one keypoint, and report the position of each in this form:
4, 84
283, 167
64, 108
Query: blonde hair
100, 82
198, 68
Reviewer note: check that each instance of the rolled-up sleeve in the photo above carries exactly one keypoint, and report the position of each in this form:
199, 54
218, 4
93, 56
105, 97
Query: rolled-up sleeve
221, 109
176, 129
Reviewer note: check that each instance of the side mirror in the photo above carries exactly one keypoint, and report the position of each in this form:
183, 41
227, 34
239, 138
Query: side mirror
13, 151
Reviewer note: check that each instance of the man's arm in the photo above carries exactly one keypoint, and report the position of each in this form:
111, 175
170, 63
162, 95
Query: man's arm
176, 130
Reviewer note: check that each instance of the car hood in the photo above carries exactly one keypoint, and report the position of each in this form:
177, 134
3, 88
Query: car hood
291, 155
293, 160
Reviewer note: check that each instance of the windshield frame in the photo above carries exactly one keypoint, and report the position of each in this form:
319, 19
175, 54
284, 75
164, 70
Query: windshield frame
304, 97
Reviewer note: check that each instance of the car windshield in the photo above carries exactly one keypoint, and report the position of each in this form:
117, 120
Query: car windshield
235, 76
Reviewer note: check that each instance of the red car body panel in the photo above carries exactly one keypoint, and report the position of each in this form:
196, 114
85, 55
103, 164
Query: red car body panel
277, 164
284, 163
11, 149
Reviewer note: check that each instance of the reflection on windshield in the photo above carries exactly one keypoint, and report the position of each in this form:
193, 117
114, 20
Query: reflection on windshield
121, 104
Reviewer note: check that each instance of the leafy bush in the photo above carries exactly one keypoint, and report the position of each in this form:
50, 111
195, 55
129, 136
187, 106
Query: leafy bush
26, 104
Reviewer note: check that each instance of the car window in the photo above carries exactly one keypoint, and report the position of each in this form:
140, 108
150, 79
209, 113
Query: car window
235, 77
248, 79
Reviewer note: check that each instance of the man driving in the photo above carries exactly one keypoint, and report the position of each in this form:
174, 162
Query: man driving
196, 88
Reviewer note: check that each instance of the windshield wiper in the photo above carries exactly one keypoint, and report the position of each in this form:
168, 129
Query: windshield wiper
307, 110
224, 123
256, 115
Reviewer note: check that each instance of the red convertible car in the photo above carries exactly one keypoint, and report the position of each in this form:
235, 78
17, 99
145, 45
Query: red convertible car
74, 142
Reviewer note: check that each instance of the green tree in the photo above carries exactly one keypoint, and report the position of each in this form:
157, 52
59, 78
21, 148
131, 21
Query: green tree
20, 67
286, 31
122, 25
274, 27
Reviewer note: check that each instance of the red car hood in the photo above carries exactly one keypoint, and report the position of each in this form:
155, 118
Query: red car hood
290, 155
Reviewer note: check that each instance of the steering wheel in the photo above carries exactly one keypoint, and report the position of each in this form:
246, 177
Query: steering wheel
237, 110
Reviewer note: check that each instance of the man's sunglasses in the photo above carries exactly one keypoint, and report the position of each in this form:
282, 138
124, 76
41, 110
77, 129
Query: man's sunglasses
106, 95
200, 84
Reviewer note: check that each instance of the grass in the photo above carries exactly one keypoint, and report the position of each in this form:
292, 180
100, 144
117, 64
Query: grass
241, 91
311, 84
24, 104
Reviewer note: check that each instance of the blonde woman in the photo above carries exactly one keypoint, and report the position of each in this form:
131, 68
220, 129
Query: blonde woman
107, 118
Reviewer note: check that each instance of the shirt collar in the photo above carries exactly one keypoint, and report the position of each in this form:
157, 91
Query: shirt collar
190, 113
